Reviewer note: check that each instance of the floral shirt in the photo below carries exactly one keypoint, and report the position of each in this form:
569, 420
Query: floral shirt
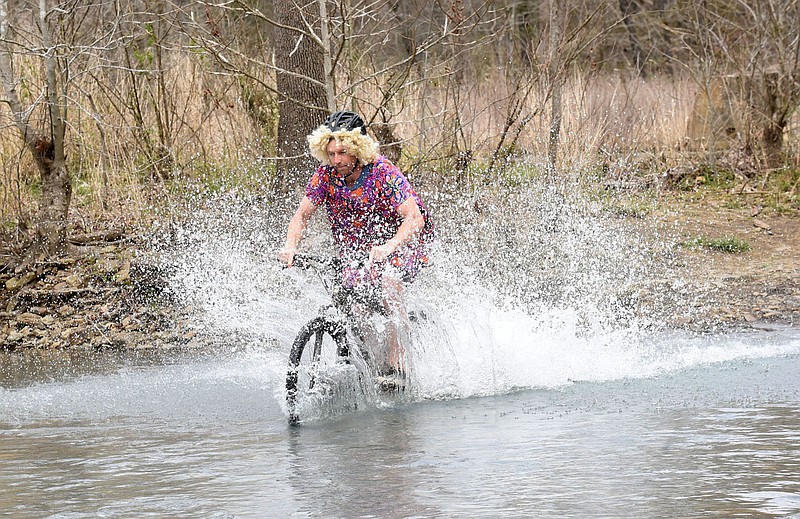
366, 215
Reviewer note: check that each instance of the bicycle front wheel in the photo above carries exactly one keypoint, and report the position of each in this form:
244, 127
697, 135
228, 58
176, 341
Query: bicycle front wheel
317, 328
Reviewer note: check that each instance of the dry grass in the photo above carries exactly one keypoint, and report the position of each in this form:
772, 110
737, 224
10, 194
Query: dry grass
610, 123
612, 126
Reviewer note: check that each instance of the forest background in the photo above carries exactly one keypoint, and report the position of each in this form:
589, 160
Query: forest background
111, 106
114, 111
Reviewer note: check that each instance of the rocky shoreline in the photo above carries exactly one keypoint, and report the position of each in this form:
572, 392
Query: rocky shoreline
724, 304
102, 295
46, 315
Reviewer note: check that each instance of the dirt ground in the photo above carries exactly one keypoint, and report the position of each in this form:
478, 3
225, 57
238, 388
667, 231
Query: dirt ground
752, 288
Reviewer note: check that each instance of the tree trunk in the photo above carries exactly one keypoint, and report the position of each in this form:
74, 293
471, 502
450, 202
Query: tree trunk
51, 226
404, 34
526, 28
300, 83
773, 119
47, 151
555, 78
664, 39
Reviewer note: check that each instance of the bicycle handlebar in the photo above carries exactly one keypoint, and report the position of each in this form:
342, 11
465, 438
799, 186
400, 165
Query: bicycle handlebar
307, 261
329, 269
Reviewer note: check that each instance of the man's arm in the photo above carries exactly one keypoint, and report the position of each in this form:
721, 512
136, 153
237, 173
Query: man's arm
297, 226
411, 227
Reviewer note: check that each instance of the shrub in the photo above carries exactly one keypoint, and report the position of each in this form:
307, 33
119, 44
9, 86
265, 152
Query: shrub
729, 244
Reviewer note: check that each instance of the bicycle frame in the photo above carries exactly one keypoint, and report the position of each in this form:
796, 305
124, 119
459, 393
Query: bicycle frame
333, 320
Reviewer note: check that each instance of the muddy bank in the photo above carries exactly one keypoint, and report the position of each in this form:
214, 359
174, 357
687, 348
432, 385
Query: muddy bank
723, 303
710, 288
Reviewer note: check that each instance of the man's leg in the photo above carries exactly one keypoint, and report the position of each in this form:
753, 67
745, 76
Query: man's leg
398, 325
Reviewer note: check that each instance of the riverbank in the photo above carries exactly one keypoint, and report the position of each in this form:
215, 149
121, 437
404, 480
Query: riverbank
736, 265
103, 294
107, 293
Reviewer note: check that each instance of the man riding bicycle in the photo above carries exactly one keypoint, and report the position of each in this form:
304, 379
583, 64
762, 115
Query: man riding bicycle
380, 227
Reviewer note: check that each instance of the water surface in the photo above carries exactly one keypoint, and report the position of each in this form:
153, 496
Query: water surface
538, 389
206, 436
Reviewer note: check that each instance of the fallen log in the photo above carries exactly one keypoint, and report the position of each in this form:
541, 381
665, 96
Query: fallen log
96, 238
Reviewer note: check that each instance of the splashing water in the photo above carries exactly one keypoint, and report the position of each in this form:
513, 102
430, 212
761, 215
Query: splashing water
532, 290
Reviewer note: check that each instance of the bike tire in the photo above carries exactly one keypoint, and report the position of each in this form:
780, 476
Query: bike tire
316, 327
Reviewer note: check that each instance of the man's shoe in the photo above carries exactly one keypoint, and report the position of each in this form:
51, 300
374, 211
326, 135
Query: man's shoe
390, 380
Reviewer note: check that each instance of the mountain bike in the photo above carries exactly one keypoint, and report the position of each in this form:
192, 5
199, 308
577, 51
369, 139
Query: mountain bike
345, 321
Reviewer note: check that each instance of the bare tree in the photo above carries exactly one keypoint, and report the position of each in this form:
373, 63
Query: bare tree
148, 99
629, 10
525, 20
301, 54
768, 60
43, 136
555, 69
299, 68
753, 51
331, 56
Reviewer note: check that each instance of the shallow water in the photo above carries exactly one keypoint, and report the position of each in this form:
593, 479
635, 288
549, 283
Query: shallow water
206, 436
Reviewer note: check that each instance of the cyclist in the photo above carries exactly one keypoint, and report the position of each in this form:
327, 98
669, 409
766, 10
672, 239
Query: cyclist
375, 215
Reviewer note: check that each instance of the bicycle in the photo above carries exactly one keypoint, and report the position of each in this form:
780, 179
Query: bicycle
338, 320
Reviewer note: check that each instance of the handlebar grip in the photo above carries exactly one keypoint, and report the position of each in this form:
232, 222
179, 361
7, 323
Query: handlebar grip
305, 261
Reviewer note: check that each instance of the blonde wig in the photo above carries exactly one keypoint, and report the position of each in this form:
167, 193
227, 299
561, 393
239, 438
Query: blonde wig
364, 147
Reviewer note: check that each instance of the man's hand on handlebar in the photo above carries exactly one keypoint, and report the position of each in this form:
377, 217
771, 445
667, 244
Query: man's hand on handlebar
286, 256
379, 253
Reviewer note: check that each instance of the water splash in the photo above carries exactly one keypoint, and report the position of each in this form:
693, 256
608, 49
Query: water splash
530, 289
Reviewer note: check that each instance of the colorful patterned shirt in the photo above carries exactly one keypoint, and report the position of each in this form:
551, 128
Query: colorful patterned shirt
366, 215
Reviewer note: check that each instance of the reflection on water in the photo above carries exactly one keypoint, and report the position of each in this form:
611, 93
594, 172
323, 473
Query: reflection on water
349, 468
207, 438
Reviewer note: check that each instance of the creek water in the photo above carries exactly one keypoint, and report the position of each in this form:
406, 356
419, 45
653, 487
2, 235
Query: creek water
519, 405
188, 436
